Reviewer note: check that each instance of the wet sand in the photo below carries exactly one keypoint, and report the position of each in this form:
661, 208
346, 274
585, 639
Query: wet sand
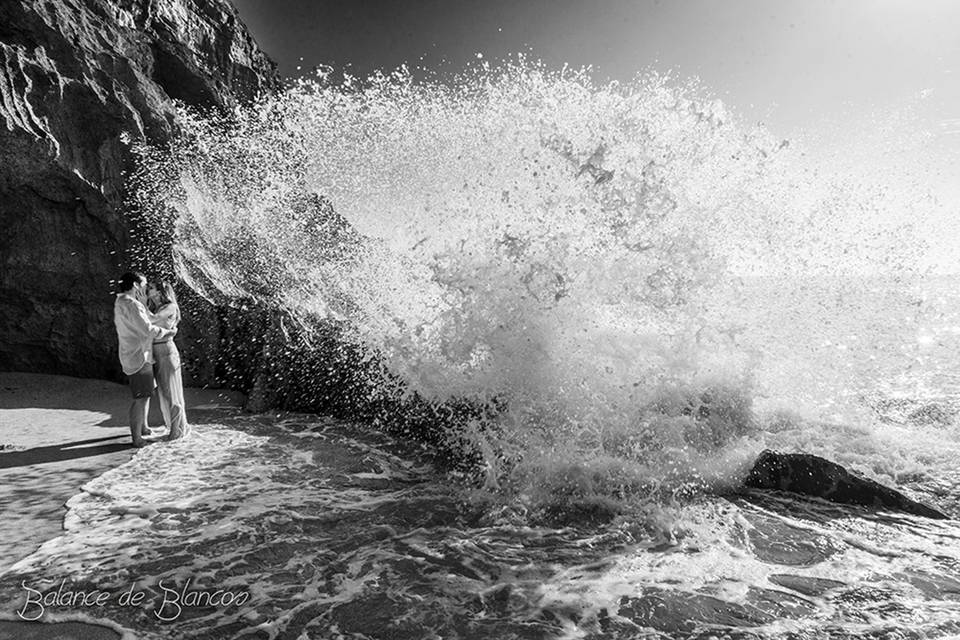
55, 631
56, 434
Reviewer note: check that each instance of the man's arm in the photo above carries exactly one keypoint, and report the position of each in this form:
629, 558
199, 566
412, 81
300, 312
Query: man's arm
140, 320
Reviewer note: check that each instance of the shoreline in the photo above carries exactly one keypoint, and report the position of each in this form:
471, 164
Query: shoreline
60, 433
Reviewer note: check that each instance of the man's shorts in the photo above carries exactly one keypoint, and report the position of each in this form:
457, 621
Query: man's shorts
142, 382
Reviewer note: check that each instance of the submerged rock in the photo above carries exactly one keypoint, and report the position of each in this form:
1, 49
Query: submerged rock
812, 475
679, 612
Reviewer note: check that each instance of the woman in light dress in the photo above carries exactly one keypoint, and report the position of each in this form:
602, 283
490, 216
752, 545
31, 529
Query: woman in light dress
166, 312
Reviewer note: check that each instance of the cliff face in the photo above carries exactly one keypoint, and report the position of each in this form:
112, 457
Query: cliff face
75, 77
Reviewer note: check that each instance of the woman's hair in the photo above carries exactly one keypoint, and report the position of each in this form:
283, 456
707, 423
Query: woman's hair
167, 296
165, 289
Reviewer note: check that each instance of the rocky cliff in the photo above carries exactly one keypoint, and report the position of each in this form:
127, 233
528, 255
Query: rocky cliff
76, 78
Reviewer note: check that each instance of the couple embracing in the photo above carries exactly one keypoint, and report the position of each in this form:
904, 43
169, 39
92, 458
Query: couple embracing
148, 354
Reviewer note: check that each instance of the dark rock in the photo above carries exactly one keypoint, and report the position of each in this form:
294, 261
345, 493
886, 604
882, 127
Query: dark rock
75, 78
814, 476
310, 364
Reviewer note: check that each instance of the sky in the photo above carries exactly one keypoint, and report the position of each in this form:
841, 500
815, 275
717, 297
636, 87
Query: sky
841, 71
787, 63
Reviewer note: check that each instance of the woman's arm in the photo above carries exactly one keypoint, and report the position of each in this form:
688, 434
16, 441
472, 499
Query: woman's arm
169, 312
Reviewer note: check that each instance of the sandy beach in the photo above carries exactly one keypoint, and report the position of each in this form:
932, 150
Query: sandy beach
58, 433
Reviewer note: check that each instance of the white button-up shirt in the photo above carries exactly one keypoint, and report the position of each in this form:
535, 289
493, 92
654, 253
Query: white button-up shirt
136, 333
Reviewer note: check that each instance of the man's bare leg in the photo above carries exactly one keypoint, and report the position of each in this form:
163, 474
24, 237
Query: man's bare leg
138, 420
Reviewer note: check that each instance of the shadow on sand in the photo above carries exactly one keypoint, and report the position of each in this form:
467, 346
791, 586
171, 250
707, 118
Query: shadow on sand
60, 432
61, 452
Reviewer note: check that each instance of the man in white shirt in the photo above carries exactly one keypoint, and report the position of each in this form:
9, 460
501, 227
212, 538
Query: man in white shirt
136, 333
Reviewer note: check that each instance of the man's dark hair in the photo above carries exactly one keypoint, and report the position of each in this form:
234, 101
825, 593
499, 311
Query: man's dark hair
127, 280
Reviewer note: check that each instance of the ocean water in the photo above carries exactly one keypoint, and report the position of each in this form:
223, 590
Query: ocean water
643, 290
328, 530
